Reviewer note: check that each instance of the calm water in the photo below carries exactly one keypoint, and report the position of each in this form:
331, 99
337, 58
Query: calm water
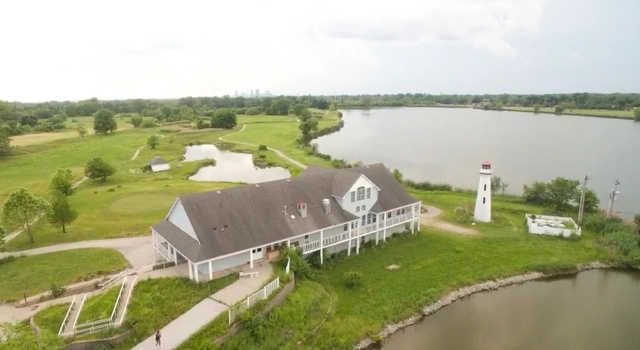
448, 145
594, 310
231, 166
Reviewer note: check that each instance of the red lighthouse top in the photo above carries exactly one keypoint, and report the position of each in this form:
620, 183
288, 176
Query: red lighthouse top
486, 165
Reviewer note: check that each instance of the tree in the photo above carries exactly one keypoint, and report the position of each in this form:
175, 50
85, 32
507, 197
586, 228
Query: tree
536, 194
398, 175
562, 191
591, 201
306, 126
636, 114
82, 131
136, 121
103, 122
28, 120
5, 142
60, 212
224, 118
498, 185
22, 208
636, 220
98, 169
153, 141
62, 182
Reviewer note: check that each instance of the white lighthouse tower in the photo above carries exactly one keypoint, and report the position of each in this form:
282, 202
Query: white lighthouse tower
482, 213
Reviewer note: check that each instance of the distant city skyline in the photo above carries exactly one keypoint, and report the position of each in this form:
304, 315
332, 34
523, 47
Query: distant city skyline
74, 50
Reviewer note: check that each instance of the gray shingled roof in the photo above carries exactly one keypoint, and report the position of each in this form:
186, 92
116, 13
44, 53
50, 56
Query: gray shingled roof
157, 160
243, 217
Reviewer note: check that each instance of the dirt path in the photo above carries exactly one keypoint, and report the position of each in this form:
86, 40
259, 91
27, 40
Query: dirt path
276, 151
135, 155
430, 218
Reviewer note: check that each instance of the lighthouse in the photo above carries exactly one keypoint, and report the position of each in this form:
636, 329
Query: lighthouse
482, 213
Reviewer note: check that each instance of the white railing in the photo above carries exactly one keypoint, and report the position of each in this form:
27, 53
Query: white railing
252, 299
288, 267
66, 316
122, 302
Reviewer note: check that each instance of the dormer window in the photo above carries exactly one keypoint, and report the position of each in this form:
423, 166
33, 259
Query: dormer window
368, 192
360, 193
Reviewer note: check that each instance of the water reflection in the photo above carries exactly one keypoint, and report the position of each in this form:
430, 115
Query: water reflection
230, 166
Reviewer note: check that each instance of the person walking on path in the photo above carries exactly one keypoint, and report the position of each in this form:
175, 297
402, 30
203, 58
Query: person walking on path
158, 338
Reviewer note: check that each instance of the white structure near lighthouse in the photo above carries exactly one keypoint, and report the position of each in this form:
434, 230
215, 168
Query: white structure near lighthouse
482, 212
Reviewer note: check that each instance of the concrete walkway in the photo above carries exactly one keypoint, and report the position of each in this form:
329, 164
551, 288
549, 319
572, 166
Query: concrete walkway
137, 250
430, 218
276, 151
183, 327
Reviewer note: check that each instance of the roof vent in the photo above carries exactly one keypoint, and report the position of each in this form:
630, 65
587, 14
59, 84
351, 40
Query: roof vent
257, 185
218, 192
326, 205
302, 209
293, 217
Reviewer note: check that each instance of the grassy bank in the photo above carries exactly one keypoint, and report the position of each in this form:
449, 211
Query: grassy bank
35, 274
600, 113
51, 318
99, 306
432, 263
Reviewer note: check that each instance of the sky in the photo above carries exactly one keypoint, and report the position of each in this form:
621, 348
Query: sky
73, 50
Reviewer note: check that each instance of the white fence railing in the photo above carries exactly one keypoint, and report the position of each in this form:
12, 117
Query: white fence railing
252, 299
66, 316
113, 321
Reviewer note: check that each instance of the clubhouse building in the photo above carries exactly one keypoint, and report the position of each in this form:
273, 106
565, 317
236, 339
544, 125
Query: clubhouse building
325, 210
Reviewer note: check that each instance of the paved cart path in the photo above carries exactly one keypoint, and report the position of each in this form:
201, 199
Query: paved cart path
183, 327
430, 218
276, 151
137, 250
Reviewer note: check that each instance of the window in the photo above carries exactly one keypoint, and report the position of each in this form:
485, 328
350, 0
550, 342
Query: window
357, 208
360, 193
402, 210
485, 187
353, 196
368, 192
306, 237
364, 219
368, 218
345, 227
374, 217
389, 215
484, 200
363, 208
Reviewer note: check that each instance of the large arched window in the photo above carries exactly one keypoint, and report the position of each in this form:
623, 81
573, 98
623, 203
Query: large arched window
360, 193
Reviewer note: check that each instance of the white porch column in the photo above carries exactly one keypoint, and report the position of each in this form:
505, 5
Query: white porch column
349, 243
251, 258
377, 232
321, 244
419, 215
175, 256
196, 272
384, 230
190, 270
210, 270
358, 238
413, 221
288, 243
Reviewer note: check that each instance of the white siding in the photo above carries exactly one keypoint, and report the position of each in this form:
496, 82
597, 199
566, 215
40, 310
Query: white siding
367, 203
178, 216
160, 167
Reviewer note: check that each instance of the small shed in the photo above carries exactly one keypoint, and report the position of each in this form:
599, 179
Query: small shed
159, 164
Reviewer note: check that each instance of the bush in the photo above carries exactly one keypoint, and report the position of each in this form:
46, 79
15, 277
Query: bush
257, 327
262, 148
56, 291
427, 186
352, 279
463, 215
148, 124
224, 118
299, 265
202, 124
136, 121
636, 114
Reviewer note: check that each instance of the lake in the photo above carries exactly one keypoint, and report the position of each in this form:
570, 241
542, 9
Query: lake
593, 310
230, 166
448, 144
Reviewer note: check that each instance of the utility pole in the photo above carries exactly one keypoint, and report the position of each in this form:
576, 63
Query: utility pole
581, 210
612, 197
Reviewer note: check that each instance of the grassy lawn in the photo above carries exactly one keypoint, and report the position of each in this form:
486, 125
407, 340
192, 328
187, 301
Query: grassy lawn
431, 263
156, 302
36, 274
99, 307
51, 317
603, 113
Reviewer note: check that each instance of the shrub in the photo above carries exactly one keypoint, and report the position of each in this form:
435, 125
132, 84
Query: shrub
56, 291
299, 265
636, 114
202, 124
148, 124
224, 118
463, 215
136, 121
262, 148
427, 186
352, 279
257, 327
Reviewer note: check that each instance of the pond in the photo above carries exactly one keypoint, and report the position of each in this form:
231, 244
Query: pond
447, 145
230, 166
593, 310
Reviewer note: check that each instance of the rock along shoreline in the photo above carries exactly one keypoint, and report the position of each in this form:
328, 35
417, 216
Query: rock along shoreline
369, 343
